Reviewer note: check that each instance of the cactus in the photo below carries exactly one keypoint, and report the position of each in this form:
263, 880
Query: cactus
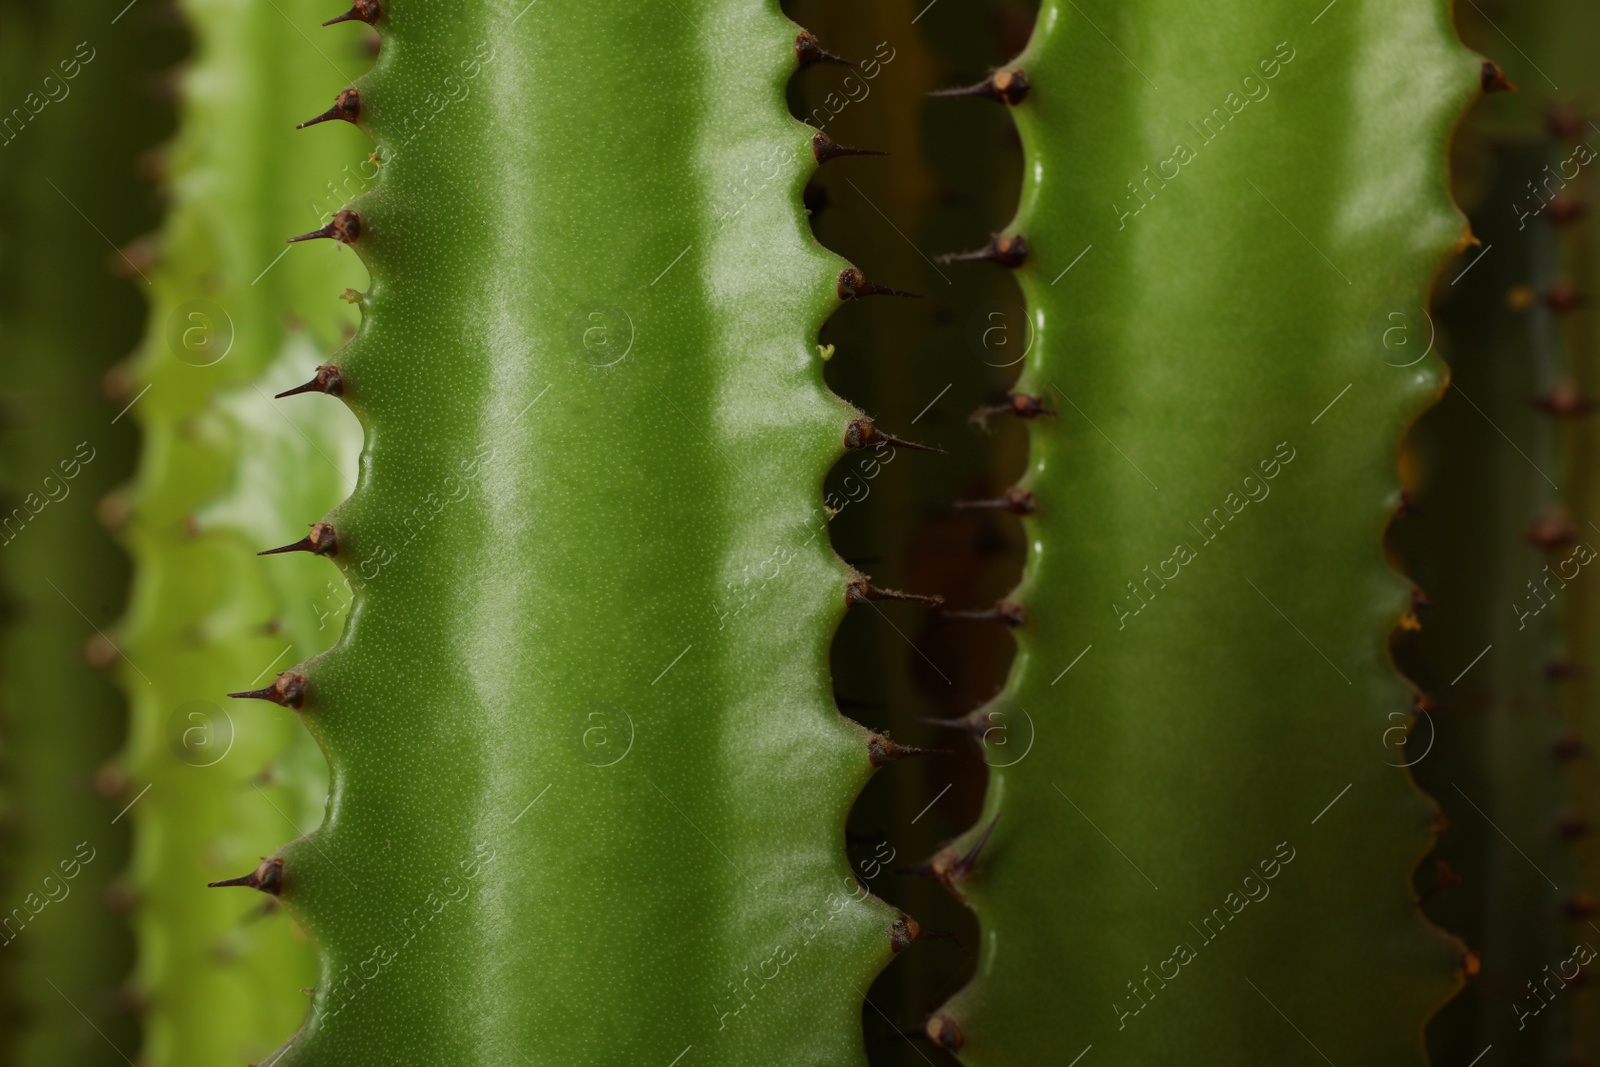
587, 783
1202, 686
224, 473
1512, 585
67, 168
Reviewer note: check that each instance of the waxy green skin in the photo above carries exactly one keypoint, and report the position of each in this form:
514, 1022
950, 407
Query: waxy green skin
224, 472
1200, 740
588, 785
65, 318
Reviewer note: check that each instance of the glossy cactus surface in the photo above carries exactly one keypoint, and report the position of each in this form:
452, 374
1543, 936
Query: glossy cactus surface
1199, 801
588, 784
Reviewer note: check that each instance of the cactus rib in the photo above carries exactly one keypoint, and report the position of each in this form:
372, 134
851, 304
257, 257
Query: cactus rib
1202, 674
588, 785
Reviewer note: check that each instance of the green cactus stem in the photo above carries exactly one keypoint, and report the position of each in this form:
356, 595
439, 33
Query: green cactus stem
225, 472
588, 784
1203, 678
69, 188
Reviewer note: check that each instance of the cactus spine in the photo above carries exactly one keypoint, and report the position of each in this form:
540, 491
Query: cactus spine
222, 475
1203, 670
588, 786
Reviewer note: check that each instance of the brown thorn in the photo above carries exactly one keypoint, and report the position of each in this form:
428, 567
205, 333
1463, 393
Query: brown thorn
1580, 905
1016, 501
321, 541
1006, 86
1562, 298
1565, 401
367, 11
1004, 611
860, 591
327, 380
861, 433
808, 51
345, 226
1022, 405
1494, 79
1572, 827
1010, 252
1471, 964
1567, 747
1444, 880
944, 1032
1565, 210
268, 878
826, 148
346, 106
1551, 531
288, 689
882, 751
853, 285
